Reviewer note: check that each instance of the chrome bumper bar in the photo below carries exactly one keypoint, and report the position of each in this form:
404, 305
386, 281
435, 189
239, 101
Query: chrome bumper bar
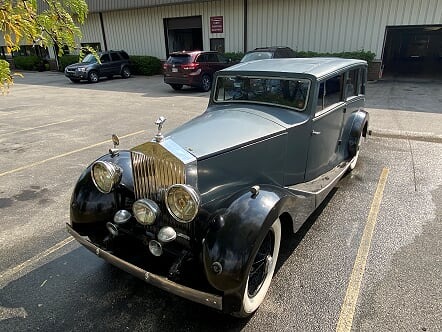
210, 300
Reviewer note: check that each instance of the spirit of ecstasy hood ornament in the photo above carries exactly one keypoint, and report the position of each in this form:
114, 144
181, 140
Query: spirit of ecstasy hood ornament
159, 136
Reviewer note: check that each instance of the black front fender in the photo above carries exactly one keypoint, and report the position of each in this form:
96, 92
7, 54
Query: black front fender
90, 206
235, 234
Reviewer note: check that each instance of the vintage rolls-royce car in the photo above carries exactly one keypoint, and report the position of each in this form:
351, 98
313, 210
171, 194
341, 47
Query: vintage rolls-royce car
198, 211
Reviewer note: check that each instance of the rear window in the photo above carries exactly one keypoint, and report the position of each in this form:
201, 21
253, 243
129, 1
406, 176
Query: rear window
257, 56
286, 92
179, 59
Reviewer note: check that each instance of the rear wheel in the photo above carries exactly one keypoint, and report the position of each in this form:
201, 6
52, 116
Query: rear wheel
93, 77
261, 271
176, 87
206, 83
125, 72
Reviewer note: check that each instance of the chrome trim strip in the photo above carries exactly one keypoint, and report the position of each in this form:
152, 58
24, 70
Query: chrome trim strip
210, 300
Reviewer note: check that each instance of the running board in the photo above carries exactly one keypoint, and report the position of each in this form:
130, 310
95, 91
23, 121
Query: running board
320, 187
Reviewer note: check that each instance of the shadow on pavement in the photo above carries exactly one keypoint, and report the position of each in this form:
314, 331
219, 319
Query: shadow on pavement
79, 292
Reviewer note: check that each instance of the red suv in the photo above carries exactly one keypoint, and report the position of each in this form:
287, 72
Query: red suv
194, 68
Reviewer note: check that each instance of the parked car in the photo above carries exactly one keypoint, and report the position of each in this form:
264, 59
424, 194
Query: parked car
194, 68
111, 63
273, 52
198, 212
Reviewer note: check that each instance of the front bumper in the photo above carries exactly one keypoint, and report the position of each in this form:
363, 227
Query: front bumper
210, 300
76, 74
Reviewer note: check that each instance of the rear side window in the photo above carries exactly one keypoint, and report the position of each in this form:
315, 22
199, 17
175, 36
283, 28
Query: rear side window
212, 57
352, 84
115, 56
202, 58
330, 92
179, 59
124, 55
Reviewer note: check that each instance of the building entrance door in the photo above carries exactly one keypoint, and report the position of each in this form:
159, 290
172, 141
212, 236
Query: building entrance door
183, 34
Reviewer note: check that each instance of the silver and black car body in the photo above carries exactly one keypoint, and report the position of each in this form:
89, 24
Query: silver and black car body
198, 212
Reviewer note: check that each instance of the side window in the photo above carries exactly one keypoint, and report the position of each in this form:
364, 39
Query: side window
202, 58
105, 58
115, 56
352, 85
330, 92
211, 57
124, 55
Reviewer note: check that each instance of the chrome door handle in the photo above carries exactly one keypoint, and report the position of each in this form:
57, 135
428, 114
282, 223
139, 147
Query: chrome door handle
314, 132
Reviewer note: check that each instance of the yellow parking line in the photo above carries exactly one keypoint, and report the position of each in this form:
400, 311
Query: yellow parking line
11, 272
64, 155
38, 127
345, 320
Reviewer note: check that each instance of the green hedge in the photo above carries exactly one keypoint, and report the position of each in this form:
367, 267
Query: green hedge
234, 56
145, 65
67, 60
360, 54
31, 62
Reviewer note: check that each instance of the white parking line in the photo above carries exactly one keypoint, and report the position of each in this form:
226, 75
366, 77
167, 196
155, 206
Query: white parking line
348, 308
33, 128
64, 155
11, 272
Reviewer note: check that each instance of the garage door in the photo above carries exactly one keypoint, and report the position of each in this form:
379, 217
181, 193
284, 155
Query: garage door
413, 51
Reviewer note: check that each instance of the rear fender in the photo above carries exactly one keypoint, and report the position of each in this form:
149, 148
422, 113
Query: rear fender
358, 126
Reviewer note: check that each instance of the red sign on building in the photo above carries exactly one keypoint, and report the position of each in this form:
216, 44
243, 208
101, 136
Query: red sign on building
216, 24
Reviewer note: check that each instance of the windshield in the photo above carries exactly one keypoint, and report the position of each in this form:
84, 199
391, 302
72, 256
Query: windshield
287, 92
89, 59
257, 56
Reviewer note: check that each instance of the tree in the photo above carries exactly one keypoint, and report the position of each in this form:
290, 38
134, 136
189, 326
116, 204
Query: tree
39, 22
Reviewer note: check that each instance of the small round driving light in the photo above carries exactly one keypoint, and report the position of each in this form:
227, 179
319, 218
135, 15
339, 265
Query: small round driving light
182, 202
121, 217
145, 211
155, 248
105, 175
166, 234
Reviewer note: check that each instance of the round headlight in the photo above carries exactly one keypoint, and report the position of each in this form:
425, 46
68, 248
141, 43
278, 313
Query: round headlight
145, 211
182, 202
105, 175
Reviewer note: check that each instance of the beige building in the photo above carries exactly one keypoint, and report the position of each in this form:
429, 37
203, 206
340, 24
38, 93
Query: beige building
403, 34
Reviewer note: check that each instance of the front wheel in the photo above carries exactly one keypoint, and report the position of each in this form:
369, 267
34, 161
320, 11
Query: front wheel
93, 77
261, 271
206, 83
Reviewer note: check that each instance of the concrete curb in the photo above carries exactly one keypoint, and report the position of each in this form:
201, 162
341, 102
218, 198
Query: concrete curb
411, 135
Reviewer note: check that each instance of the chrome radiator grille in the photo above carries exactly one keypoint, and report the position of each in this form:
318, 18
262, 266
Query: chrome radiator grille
152, 176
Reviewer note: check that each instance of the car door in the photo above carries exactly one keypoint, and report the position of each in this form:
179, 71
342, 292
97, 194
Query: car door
115, 65
106, 65
326, 129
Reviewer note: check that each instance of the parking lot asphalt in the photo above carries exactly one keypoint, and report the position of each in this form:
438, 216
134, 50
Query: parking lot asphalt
50, 129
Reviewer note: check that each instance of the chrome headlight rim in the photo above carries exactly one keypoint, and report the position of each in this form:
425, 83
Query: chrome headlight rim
114, 171
148, 205
195, 197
